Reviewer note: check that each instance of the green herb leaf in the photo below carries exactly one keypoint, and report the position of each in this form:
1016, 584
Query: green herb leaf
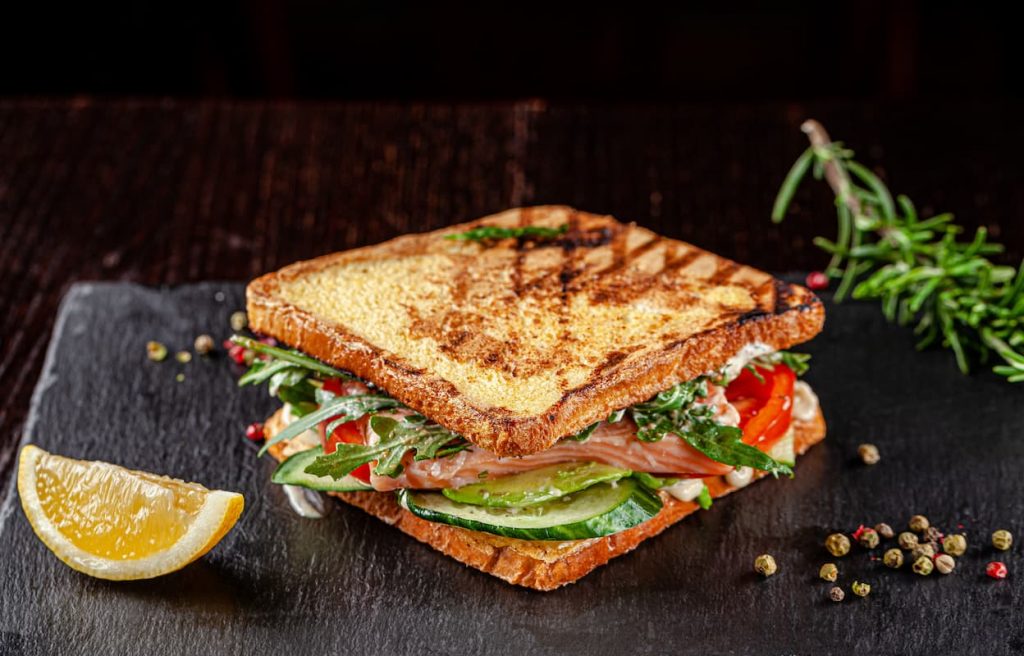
918, 269
344, 408
486, 233
704, 498
397, 437
800, 363
291, 356
652, 482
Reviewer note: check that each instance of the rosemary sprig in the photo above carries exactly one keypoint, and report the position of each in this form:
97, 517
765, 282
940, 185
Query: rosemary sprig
487, 233
922, 274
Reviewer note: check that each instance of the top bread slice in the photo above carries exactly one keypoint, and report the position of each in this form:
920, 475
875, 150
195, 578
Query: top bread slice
516, 343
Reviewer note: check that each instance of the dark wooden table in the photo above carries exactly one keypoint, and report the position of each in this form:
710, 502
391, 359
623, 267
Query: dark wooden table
170, 192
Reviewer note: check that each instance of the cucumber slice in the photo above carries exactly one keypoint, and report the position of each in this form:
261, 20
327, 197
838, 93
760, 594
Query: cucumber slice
784, 450
292, 472
599, 510
536, 486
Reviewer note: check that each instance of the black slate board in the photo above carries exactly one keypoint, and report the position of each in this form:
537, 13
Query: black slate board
952, 447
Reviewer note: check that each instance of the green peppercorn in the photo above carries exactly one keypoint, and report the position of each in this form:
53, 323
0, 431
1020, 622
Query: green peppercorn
907, 540
180, 378
765, 565
838, 545
183, 357
203, 345
829, 572
860, 589
884, 530
925, 549
1002, 539
919, 524
923, 566
944, 563
893, 558
156, 351
868, 538
868, 454
836, 594
955, 545
239, 321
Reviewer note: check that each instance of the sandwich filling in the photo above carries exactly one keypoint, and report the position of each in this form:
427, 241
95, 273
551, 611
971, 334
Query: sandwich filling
346, 435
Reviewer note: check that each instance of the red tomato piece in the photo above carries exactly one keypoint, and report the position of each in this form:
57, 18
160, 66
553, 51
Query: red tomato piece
765, 405
349, 433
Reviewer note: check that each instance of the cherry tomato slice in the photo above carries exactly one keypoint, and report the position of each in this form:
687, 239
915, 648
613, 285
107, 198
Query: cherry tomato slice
349, 433
765, 405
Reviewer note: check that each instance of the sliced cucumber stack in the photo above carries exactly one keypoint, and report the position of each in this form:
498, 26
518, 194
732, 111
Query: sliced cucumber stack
292, 472
599, 510
536, 485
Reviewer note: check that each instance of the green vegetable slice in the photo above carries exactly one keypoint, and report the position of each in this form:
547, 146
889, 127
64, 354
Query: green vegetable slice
292, 472
537, 485
599, 510
784, 451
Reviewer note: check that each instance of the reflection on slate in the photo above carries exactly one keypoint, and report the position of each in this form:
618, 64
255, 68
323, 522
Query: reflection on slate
952, 449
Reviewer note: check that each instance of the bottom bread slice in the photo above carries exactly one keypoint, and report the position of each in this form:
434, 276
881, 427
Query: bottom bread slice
540, 565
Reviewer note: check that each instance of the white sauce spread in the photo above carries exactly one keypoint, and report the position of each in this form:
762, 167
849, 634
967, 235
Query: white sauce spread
306, 503
686, 490
805, 402
751, 350
740, 477
301, 442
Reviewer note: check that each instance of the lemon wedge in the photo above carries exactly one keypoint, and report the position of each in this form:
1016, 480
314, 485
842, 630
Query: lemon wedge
114, 523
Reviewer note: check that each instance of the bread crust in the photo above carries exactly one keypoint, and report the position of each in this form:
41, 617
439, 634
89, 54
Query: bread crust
539, 565
784, 315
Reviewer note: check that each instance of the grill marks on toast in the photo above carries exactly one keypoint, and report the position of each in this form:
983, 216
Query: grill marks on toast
517, 342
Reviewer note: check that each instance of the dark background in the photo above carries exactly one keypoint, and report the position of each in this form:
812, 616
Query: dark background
166, 143
623, 52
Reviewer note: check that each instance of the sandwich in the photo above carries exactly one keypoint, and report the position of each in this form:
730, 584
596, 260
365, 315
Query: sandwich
535, 392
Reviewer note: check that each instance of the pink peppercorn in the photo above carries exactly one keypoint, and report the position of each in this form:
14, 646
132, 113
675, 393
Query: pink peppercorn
996, 570
254, 432
817, 280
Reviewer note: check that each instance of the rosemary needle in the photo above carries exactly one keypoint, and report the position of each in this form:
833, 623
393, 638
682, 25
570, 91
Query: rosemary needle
922, 274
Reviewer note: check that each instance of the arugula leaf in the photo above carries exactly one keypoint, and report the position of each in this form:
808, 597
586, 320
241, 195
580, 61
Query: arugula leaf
413, 433
345, 408
675, 411
484, 233
798, 362
585, 433
291, 356
653, 482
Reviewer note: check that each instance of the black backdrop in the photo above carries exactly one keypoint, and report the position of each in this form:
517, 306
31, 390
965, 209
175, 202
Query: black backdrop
343, 49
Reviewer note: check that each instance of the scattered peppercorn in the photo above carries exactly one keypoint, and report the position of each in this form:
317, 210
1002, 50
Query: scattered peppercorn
884, 530
829, 572
996, 570
183, 357
925, 549
156, 351
816, 280
923, 566
836, 594
869, 454
861, 589
893, 558
765, 565
907, 540
955, 545
203, 345
919, 524
868, 538
838, 545
1002, 539
254, 432
180, 378
239, 321
944, 563
932, 534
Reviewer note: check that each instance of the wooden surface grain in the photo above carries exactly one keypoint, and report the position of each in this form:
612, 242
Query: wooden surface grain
167, 192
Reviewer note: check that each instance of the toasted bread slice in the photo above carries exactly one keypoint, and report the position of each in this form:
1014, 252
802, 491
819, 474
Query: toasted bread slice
517, 343
540, 565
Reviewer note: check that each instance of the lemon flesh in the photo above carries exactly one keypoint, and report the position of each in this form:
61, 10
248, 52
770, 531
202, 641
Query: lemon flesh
114, 523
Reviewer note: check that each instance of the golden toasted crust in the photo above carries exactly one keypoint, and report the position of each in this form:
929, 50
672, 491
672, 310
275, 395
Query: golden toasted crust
516, 344
540, 565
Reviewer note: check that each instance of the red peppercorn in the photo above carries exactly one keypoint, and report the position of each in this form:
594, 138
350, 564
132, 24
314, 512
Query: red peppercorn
817, 280
227, 344
997, 570
237, 353
254, 432
269, 341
